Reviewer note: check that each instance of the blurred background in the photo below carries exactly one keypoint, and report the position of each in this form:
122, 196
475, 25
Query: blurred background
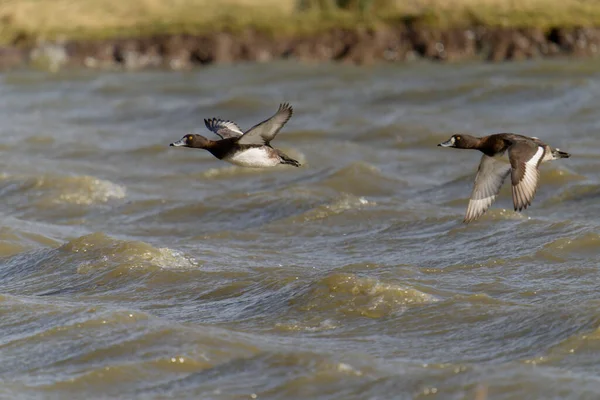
29, 20
130, 269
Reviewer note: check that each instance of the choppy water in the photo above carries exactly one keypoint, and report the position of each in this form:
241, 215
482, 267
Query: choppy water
130, 269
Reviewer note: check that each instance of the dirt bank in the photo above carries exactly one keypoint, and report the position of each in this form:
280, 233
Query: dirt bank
358, 46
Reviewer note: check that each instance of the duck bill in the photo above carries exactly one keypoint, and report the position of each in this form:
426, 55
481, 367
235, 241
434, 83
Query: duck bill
179, 143
447, 143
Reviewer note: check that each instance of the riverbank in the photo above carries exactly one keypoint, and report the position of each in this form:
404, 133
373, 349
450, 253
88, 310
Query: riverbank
357, 46
188, 33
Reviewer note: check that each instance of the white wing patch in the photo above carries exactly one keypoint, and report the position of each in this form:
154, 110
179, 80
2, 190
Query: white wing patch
524, 191
232, 126
477, 208
225, 129
490, 176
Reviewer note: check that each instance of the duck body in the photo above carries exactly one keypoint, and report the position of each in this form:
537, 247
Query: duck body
251, 149
254, 157
496, 145
525, 154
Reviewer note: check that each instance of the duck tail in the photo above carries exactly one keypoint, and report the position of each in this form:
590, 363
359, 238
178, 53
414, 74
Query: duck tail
290, 161
286, 160
556, 153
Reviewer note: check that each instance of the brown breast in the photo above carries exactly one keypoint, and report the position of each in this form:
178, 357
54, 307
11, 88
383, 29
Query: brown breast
493, 145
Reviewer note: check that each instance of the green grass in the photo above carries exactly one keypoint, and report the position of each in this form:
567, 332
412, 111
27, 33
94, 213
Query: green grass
25, 21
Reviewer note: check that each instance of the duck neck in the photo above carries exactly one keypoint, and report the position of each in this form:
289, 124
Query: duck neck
209, 144
471, 142
218, 148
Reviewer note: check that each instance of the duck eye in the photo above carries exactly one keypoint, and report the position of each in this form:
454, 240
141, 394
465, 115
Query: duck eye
190, 138
458, 138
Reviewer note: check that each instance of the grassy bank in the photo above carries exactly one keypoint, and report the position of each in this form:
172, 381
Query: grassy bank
24, 21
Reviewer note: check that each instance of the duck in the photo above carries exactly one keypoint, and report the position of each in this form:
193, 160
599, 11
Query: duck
250, 149
525, 154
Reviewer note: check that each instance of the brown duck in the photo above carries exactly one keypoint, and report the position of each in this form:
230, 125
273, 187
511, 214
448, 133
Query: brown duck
247, 149
525, 154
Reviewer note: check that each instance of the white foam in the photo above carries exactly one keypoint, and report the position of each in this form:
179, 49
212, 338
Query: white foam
173, 259
347, 202
93, 191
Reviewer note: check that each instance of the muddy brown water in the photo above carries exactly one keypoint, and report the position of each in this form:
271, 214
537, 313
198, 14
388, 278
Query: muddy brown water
130, 269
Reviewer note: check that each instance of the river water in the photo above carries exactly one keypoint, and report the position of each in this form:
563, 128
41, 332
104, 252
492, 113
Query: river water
131, 269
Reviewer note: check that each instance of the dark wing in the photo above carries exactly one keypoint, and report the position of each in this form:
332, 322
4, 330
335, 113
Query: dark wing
525, 158
225, 129
490, 176
264, 132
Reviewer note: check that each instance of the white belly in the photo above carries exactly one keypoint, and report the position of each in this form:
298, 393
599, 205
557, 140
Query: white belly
256, 157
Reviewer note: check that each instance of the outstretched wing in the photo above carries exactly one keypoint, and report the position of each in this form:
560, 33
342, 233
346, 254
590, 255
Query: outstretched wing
525, 158
264, 132
490, 176
225, 129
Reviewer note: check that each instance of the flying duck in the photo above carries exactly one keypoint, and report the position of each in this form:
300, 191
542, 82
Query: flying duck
246, 149
525, 154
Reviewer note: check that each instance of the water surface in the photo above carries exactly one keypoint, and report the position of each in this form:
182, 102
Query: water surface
130, 269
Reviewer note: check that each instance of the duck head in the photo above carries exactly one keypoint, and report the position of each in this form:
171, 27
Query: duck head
192, 140
461, 142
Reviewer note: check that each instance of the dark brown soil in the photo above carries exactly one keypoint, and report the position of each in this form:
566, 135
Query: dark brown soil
356, 46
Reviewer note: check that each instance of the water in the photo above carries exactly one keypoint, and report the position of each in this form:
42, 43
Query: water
130, 269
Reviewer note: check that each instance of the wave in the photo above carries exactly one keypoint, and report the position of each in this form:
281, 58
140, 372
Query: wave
50, 190
94, 262
338, 206
582, 246
351, 294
